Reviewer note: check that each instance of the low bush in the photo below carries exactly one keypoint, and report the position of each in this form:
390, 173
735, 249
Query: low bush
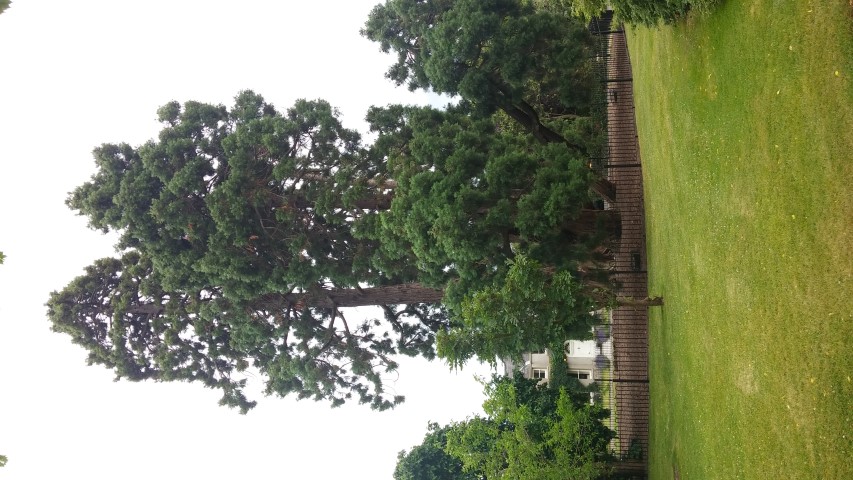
636, 12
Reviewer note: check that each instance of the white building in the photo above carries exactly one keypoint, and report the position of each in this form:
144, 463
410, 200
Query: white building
585, 359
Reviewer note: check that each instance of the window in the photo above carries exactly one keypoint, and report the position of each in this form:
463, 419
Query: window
580, 374
540, 373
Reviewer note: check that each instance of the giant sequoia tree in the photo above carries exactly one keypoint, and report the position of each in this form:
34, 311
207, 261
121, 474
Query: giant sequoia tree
247, 232
246, 214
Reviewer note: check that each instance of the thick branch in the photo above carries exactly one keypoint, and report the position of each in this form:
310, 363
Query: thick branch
605, 189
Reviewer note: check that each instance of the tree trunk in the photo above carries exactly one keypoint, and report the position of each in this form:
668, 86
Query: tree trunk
319, 176
376, 202
626, 470
530, 122
146, 309
402, 294
592, 222
605, 189
604, 296
524, 113
639, 302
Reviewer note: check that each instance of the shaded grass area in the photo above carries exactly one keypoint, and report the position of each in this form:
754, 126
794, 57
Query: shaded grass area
745, 119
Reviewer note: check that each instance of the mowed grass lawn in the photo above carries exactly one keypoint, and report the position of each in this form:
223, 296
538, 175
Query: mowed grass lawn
745, 119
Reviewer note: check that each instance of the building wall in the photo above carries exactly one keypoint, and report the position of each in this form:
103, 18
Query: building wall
580, 359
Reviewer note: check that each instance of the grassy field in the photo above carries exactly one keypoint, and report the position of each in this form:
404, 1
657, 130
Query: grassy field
745, 119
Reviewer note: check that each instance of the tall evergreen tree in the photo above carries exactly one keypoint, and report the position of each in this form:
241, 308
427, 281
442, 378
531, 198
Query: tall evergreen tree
253, 210
268, 225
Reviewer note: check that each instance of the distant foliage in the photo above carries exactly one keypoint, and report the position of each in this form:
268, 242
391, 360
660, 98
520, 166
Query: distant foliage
532, 432
430, 461
528, 430
636, 12
4, 4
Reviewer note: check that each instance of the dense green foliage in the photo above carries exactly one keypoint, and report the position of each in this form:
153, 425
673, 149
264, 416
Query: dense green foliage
637, 12
528, 431
532, 307
430, 461
239, 225
497, 54
468, 196
247, 231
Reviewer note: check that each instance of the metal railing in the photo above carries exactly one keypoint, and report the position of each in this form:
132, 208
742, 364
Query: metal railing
623, 379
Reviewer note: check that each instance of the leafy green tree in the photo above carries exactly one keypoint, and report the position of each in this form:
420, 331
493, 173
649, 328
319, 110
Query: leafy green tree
532, 431
468, 196
3, 460
4, 4
534, 306
489, 52
534, 65
429, 461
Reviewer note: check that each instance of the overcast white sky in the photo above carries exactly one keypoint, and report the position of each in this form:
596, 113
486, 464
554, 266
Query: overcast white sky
75, 74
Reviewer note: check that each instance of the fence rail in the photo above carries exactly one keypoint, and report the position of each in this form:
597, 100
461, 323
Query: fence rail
623, 378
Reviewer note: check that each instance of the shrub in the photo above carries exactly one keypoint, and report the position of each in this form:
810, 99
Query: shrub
636, 12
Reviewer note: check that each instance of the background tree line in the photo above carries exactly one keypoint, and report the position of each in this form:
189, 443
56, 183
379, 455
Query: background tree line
637, 12
527, 430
